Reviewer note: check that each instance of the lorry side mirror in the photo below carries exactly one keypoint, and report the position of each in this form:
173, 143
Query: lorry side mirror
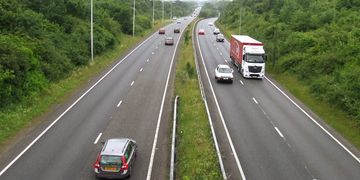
265, 57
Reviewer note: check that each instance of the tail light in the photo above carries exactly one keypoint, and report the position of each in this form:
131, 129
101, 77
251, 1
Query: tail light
97, 162
124, 164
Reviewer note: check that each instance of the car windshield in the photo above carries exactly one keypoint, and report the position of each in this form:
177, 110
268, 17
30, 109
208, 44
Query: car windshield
111, 160
224, 70
254, 58
169, 38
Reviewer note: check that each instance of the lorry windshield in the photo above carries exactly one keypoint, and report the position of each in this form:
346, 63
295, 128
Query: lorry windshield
254, 58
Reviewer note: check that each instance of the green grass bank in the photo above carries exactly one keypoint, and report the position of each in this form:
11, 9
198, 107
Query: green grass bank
15, 118
196, 156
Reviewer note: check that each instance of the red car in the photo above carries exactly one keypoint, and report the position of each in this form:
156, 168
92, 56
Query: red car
162, 31
201, 32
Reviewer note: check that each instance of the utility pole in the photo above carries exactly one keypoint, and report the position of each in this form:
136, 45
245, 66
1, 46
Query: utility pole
153, 18
134, 20
240, 17
91, 32
163, 10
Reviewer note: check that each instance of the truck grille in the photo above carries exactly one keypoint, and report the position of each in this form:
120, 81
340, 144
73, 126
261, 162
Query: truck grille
255, 69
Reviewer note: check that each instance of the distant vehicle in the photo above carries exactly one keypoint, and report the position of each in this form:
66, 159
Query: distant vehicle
220, 38
162, 31
224, 73
178, 21
174, 18
116, 159
216, 31
210, 23
169, 40
185, 18
248, 55
201, 32
177, 30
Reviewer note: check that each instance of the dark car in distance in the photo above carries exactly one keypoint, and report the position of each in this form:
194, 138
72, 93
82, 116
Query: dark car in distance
177, 30
162, 31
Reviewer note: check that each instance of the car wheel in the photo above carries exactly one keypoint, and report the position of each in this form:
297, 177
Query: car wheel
130, 171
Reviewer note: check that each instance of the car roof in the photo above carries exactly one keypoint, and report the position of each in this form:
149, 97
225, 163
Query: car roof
223, 66
169, 37
115, 146
201, 30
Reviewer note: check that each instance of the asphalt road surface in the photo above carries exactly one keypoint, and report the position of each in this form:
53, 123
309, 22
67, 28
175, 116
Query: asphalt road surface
269, 137
125, 101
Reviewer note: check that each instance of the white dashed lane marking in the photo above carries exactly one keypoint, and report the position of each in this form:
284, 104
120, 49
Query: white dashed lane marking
97, 139
118, 105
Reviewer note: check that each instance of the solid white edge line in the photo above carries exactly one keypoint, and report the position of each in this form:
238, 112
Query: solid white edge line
148, 176
72, 105
255, 100
118, 105
172, 160
132, 83
281, 135
221, 116
208, 111
310, 117
97, 139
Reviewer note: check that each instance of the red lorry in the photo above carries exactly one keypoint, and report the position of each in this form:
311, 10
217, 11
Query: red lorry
248, 55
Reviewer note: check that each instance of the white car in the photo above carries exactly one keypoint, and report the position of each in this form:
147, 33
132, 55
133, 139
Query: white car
220, 38
210, 24
224, 73
216, 31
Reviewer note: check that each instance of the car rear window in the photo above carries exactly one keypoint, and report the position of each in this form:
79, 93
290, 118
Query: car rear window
224, 70
110, 160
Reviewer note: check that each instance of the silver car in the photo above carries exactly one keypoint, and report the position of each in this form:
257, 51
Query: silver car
216, 31
116, 158
224, 73
169, 40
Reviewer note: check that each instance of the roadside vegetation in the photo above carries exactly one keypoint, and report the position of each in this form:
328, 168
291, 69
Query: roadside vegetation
313, 51
45, 51
196, 156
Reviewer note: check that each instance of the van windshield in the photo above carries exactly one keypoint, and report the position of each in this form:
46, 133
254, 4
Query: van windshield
111, 160
254, 58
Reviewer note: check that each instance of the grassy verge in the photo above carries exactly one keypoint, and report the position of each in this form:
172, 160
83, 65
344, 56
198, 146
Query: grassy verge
196, 156
15, 118
336, 118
